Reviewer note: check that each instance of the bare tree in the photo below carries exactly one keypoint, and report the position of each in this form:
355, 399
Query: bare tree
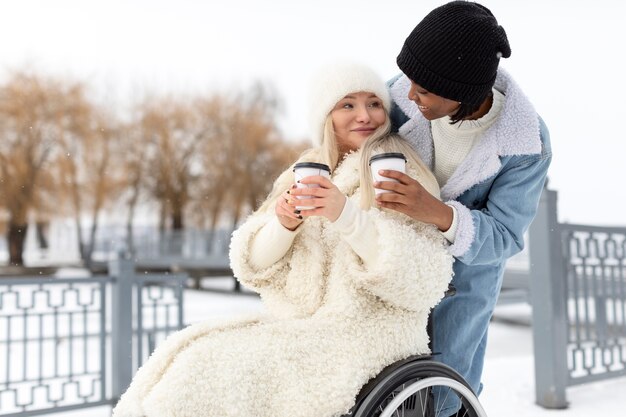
242, 154
173, 134
103, 180
35, 112
216, 155
259, 153
85, 171
61, 155
133, 169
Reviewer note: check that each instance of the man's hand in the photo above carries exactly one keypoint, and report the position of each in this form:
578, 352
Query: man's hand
410, 198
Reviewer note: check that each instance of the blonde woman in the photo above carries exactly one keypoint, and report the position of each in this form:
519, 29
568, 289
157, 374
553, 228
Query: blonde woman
347, 287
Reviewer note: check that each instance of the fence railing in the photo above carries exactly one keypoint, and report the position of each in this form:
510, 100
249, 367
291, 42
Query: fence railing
49, 327
52, 336
201, 254
71, 343
205, 246
578, 293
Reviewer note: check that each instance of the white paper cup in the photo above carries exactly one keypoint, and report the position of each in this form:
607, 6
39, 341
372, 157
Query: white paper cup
308, 169
392, 161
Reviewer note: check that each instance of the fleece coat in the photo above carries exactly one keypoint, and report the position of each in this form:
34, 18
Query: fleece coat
332, 322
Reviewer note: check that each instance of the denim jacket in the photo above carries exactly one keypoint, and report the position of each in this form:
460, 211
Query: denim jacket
496, 189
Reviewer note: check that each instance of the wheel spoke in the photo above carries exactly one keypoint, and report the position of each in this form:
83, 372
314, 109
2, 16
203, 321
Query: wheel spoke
443, 403
424, 404
428, 397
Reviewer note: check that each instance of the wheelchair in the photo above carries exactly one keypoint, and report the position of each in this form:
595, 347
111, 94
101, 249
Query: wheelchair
417, 387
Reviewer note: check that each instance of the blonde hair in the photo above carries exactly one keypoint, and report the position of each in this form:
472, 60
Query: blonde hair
381, 140
391, 142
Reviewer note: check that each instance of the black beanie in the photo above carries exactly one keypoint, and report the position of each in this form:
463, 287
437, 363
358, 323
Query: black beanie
454, 52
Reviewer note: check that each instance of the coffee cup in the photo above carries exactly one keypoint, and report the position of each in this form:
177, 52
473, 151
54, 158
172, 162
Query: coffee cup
308, 169
395, 161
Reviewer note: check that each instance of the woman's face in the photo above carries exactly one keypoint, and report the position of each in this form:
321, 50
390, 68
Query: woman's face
431, 105
355, 117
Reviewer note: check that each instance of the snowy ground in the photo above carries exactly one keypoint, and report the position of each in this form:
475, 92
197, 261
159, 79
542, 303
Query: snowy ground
508, 376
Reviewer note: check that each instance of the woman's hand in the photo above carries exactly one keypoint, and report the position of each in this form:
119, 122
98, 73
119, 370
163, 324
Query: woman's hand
286, 213
410, 198
327, 199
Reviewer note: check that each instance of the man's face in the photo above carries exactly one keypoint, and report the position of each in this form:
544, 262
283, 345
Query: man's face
431, 105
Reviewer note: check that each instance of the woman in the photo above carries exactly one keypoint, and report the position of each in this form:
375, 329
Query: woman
490, 152
347, 287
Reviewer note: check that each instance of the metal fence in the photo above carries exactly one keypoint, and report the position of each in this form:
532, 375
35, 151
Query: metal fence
48, 331
207, 246
70, 343
202, 254
596, 282
578, 292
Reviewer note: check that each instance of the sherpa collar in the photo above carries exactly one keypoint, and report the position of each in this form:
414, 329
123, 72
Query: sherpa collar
516, 132
346, 175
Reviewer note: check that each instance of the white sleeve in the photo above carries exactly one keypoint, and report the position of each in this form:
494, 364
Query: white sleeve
355, 228
270, 244
450, 234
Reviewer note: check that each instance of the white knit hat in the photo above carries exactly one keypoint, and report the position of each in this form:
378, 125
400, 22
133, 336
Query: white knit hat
332, 83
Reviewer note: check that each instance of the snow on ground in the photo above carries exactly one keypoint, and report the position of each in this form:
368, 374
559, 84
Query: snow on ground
508, 378
509, 371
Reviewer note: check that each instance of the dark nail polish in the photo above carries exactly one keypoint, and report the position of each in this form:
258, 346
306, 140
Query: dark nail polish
288, 192
297, 211
299, 217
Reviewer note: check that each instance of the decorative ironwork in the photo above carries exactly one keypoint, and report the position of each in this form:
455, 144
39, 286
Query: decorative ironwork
52, 344
159, 297
61, 339
578, 282
595, 265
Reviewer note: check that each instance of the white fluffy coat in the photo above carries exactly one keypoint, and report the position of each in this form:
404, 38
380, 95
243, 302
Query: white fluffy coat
332, 324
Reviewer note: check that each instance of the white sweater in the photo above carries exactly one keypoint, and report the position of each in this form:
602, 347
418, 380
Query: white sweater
273, 241
453, 142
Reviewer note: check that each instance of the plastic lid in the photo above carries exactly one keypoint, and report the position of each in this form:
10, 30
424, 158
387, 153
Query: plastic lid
396, 155
311, 165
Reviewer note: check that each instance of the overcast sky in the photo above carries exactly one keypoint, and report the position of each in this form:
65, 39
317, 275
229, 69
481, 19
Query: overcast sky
567, 56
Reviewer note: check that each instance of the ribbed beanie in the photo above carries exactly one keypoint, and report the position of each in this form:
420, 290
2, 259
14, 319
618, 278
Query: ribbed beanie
333, 82
454, 52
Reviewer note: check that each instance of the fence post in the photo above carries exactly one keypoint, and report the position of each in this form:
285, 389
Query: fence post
548, 296
122, 270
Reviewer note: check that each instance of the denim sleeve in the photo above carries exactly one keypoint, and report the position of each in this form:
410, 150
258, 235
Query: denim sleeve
498, 229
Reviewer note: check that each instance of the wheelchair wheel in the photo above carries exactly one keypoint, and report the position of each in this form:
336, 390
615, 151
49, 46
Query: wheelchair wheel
418, 388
